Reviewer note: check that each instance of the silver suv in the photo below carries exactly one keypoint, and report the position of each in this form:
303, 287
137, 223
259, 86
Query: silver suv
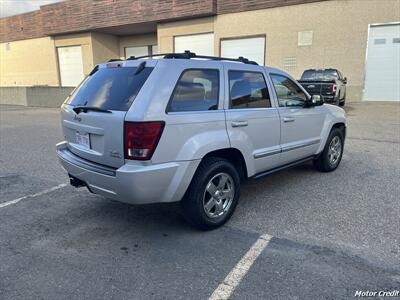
191, 130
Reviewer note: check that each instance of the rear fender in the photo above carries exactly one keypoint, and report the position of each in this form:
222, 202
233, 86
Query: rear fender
191, 136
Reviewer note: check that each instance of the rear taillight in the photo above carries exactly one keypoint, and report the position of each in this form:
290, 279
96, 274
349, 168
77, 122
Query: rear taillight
141, 139
334, 87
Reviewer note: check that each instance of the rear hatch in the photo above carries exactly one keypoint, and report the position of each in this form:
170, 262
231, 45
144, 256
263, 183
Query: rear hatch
93, 116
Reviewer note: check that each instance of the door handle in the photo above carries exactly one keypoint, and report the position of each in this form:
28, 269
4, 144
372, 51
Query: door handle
239, 123
288, 119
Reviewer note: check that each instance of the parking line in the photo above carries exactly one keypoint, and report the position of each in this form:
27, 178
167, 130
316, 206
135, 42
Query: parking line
232, 280
15, 201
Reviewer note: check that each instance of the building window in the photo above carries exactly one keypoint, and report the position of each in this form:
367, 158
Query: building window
379, 41
196, 90
305, 38
290, 63
248, 90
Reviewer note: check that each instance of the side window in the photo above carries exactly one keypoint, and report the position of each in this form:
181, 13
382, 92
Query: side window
196, 90
289, 93
248, 90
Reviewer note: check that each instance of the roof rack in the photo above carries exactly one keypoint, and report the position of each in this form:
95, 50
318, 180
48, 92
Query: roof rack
188, 55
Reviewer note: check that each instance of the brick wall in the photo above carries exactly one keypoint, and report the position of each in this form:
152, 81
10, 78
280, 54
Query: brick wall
230, 6
67, 16
107, 13
20, 27
83, 15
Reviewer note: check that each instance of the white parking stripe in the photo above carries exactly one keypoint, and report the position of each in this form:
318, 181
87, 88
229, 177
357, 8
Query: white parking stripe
33, 195
228, 286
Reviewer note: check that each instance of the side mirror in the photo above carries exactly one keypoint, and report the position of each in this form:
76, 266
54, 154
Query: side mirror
315, 100
345, 80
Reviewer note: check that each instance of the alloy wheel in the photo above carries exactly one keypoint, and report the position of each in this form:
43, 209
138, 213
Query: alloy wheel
218, 195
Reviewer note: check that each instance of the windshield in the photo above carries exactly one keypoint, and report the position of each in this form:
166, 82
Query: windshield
319, 75
110, 88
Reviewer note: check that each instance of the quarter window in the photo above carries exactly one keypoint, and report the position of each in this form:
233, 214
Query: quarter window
248, 90
196, 90
289, 93
380, 41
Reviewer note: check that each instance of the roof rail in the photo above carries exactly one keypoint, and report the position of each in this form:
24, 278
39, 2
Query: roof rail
188, 55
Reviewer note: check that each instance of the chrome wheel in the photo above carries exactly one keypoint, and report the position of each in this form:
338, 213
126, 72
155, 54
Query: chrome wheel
218, 196
335, 150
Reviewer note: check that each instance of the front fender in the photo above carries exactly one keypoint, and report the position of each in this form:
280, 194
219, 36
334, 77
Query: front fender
334, 115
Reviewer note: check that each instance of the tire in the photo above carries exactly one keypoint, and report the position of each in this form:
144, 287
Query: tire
330, 158
206, 180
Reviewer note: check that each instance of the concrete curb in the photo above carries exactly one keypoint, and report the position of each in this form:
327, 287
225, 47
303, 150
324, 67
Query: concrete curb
40, 96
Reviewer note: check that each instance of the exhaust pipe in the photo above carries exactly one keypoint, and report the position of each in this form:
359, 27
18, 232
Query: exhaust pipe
76, 182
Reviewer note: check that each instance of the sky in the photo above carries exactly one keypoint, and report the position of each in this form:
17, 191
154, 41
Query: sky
14, 7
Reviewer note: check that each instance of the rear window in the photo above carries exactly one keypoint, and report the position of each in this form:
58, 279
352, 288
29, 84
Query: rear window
319, 75
110, 88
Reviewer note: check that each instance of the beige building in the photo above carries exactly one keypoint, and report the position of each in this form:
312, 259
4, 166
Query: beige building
361, 38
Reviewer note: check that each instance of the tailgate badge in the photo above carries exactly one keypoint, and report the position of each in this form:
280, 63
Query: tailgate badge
115, 154
311, 86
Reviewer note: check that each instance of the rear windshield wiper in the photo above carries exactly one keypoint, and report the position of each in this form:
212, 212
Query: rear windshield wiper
85, 109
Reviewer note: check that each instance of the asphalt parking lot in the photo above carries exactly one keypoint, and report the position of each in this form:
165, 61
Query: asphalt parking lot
330, 234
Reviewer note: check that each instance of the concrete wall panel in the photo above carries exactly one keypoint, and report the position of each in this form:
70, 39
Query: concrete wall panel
105, 47
28, 62
34, 96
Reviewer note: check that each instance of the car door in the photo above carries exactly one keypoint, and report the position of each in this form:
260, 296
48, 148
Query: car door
301, 127
251, 119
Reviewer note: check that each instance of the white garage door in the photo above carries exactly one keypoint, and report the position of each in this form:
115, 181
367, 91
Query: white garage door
251, 48
136, 51
71, 66
154, 49
201, 44
382, 79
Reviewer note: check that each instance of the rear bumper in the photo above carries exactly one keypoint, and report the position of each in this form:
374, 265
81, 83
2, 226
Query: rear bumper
132, 183
329, 99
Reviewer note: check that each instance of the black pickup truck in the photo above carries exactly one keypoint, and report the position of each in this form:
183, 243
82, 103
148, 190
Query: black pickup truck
328, 83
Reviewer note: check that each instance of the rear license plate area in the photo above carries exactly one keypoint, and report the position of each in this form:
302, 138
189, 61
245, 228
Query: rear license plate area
83, 139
